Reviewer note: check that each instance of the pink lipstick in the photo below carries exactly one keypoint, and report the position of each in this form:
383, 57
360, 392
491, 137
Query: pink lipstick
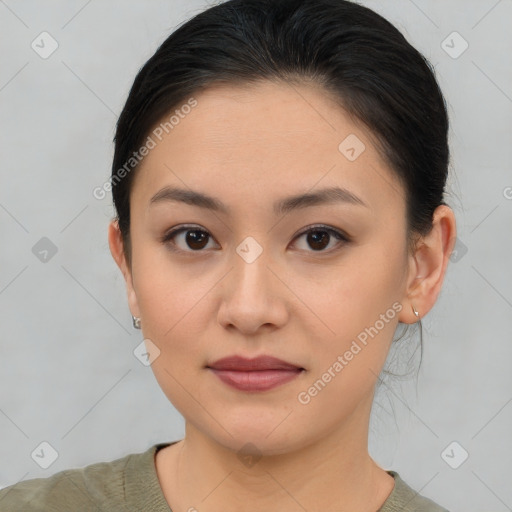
259, 374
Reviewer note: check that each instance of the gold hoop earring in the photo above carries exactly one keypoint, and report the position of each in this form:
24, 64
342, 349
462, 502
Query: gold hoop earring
415, 312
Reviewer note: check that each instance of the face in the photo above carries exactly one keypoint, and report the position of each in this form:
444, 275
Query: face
318, 283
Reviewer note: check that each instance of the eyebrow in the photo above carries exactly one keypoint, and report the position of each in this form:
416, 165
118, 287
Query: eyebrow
280, 207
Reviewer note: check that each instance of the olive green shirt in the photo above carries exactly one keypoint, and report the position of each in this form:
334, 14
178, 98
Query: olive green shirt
131, 484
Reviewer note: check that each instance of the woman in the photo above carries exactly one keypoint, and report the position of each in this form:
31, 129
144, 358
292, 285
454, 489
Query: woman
278, 178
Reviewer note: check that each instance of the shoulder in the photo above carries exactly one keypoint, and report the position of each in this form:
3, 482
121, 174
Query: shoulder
405, 499
90, 488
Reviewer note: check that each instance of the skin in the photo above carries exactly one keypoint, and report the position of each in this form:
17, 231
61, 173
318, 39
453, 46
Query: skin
250, 146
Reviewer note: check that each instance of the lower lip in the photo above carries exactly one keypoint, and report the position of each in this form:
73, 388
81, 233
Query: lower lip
256, 380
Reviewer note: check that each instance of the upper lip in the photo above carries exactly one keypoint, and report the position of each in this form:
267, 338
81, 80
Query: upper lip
265, 362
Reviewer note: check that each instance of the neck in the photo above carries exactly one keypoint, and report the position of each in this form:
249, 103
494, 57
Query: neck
333, 473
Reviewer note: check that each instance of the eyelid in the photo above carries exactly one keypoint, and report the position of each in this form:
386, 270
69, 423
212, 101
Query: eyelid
323, 227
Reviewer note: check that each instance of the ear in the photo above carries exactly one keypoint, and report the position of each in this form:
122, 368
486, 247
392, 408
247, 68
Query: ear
427, 266
115, 241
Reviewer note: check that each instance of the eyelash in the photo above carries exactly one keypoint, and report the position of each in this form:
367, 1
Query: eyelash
340, 236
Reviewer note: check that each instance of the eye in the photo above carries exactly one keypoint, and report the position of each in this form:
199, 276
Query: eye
319, 237
195, 239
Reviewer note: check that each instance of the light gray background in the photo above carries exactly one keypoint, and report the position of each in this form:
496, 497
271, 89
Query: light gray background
68, 372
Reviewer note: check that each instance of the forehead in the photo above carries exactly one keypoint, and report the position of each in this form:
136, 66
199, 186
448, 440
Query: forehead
262, 141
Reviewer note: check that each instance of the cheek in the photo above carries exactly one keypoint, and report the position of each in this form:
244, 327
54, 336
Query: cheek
350, 294
176, 308
174, 312
357, 307
166, 289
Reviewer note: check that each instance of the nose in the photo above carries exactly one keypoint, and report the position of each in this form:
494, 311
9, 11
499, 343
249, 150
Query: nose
253, 296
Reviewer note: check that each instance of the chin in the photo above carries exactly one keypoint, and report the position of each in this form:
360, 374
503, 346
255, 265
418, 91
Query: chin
258, 442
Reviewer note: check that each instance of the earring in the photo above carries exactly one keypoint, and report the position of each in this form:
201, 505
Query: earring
415, 312
136, 322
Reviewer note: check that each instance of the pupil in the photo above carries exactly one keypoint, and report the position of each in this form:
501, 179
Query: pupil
316, 241
195, 239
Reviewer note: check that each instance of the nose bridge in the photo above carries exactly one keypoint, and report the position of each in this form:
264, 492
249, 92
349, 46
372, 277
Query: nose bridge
251, 260
251, 297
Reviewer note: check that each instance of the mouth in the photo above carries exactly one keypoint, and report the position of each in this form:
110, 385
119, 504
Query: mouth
259, 374
261, 363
